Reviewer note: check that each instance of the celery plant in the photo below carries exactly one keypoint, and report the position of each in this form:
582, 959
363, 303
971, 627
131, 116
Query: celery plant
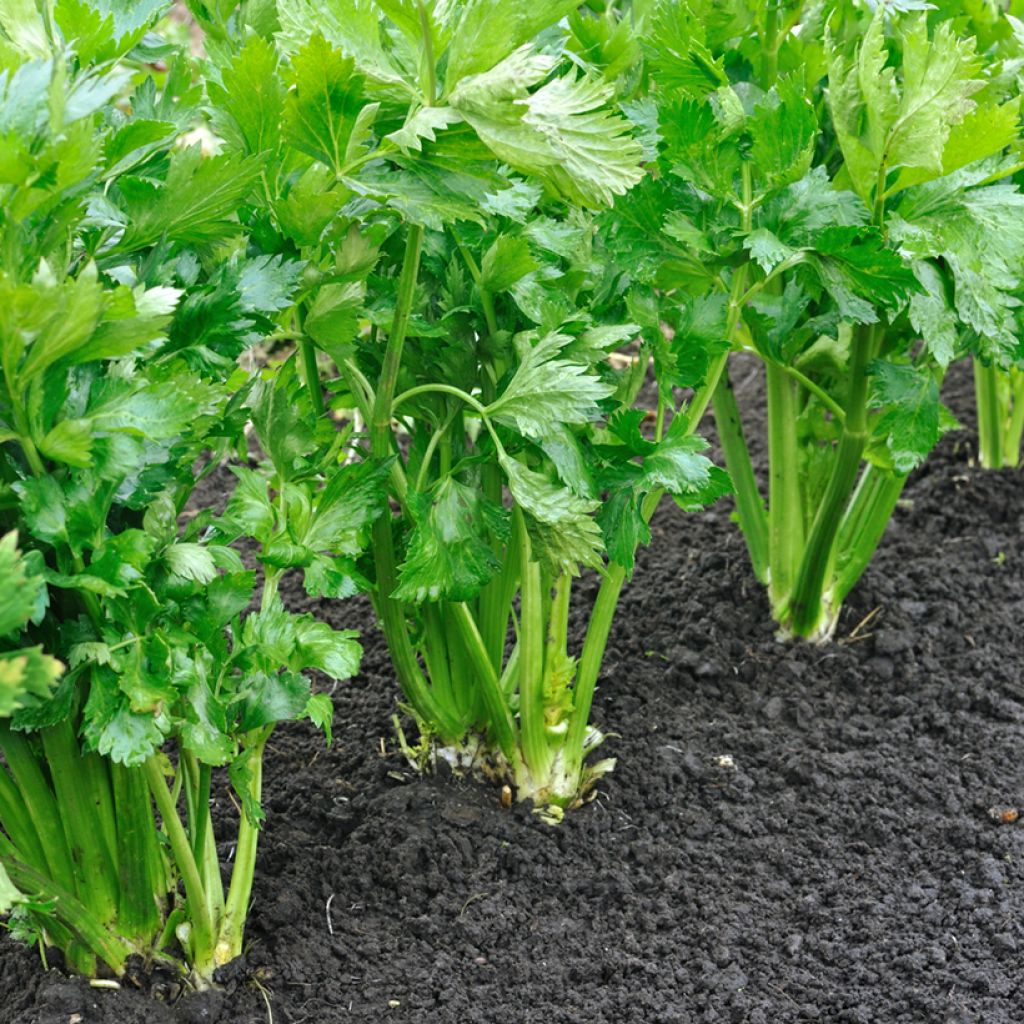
829, 232
441, 191
125, 298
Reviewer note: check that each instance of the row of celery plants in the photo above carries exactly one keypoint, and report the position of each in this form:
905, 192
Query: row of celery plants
478, 226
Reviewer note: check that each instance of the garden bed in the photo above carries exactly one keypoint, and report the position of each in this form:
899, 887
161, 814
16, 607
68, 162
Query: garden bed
793, 833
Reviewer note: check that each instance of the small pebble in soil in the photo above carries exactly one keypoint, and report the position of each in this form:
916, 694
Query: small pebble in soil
1004, 815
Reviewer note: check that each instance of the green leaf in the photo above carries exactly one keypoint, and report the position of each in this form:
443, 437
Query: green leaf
677, 464
910, 412
191, 562
595, 156
334, 652
489, 30
280, 697
547, 390
700, 337
765, 249
424, 193
22, 591
978, 234
623, 526
560, 524
678, 56
800, 211
53, 320
111, 727
26, 676
700, 150
154, 411
884, 125
424, 124
23, 25
70, 442
204, 731
135, 142
249, 104
344, 510
516, 202
43, 508
352, 26
193, 205
323, 103
101, 29
449, 555
336, 578
283, 418
565, 133
320, 711
985, 131
334, 318
132, 318
782, 131
248, 509
931, 314
311, 204
506, 261
266, 284
860, 272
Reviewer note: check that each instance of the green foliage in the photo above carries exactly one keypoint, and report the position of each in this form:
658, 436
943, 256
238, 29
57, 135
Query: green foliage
832, 206
129, 286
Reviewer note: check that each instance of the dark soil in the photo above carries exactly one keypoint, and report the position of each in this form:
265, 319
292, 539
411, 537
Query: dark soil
793, 833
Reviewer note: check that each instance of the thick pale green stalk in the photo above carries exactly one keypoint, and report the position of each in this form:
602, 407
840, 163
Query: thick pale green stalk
15, 821
141, 877
1015, 431
589, 668
434, 645
69, 911
990, 415
81, 809
40, 805
558, 622
770, 45
728, 423
785, 504
202, 938
868, 514
198, 780
749, 502
502, 726
403, 655
806, 615
236, 908
473, 710
496, 597
536, 751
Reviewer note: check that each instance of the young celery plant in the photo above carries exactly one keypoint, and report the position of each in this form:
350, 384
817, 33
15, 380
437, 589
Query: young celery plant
524, 419
118, 350
781, 261
485, 348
